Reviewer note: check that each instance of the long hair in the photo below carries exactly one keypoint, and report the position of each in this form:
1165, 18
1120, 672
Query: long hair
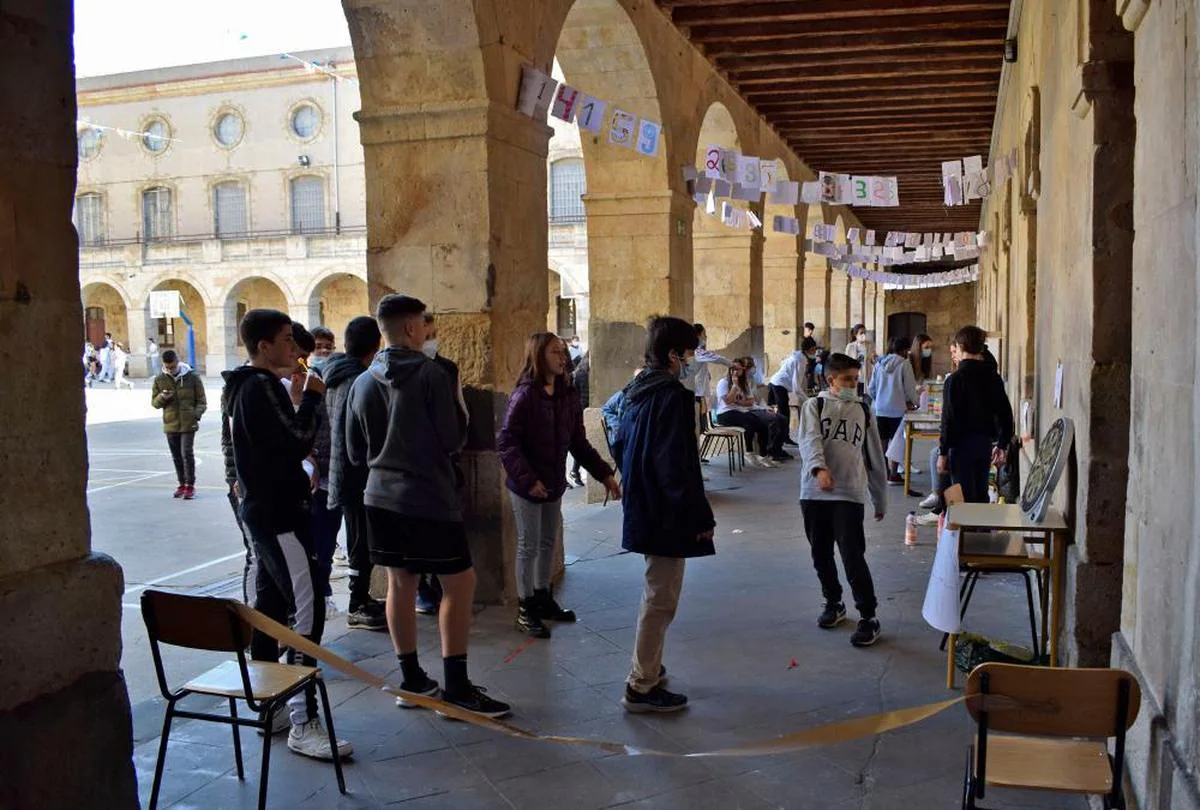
740, 379
922, 366
535, 360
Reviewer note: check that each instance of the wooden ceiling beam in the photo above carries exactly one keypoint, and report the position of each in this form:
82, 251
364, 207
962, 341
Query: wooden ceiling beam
709, 13
839, 45
897, 23
840, 85
895, 68
776, 97
871, 91
948, 52
780, 114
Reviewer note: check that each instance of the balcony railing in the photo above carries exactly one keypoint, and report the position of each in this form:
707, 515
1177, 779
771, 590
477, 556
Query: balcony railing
211, 249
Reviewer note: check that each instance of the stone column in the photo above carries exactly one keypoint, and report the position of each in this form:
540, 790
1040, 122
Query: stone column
724, 287
65, 732
857, 304
782, 305
816, 296
223, 349
639, 265
469, 238
307, 313
869, 319
839, 310
880, 319
138, 324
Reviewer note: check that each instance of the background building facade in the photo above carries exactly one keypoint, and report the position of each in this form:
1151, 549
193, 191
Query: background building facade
240, 184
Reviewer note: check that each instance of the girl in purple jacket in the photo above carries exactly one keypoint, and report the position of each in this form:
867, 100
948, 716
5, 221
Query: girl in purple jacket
543, 424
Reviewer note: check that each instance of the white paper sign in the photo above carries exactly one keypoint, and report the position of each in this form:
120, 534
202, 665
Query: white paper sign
1058, 385
748, 172
164, 304
852, 235
768, 172
829, 187
786, 193
620, 133
810, 193
952, 168
845, 189
712, 161
747, 193
870, 238
589, 114
941, 608
912, 240
953, 190
566, 101
537, 92
729, 164
648, 134
973, 164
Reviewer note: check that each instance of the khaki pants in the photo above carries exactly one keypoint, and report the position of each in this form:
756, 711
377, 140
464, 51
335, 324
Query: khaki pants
664, 583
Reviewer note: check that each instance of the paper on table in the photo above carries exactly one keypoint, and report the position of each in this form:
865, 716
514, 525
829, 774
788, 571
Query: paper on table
941, 607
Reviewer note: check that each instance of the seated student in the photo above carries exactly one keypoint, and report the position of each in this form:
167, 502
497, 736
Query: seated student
736, 408
977, 419
893, 392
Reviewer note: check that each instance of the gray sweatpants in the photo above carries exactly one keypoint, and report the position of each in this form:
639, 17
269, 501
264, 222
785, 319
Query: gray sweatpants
537, 527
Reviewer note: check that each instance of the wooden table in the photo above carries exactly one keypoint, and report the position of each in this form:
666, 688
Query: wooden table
1008, 517
918, 425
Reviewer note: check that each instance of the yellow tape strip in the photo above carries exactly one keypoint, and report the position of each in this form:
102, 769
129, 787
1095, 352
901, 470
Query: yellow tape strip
829, 734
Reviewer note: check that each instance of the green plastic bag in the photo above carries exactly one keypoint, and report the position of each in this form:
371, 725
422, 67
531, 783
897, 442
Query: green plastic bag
971, 650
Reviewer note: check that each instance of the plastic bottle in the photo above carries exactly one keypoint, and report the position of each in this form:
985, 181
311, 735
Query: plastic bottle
923, 405
910, 529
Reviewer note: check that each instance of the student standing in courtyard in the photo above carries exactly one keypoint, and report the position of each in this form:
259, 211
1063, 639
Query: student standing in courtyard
271, 438
544, 423
893, 392
179, 393
403, 424
841, 464
667, 515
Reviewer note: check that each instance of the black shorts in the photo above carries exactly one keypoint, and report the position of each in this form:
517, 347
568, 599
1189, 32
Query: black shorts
418, 545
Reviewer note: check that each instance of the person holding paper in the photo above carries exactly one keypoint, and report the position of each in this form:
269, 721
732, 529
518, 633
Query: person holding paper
977, 418
736, 407
841, 466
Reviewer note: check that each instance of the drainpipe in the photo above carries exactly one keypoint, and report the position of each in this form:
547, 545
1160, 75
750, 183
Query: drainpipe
337, 179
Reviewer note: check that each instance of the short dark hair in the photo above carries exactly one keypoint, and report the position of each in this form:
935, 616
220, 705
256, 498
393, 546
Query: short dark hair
810, 325
899, 345
837, 362
397, 306
664, 335
429, 317
699, 329
362, 337
169, 356
971, 339
261, 324
858, 327
304, 338
807, 345
323, 332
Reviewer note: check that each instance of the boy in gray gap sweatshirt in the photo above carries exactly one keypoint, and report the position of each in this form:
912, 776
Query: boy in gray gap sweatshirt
841, 461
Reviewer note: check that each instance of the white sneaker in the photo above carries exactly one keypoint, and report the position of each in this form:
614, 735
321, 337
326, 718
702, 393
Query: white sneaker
756, 460
931, 500
927, 519
769, 463
311, 740
339, 555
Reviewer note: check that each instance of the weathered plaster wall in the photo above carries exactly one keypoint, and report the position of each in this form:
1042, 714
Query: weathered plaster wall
65, 733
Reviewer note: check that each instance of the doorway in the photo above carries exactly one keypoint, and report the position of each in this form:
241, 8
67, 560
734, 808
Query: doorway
906, 324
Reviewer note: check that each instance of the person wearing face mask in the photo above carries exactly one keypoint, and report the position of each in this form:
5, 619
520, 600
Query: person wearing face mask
861, 350
696, 375
921, 358
791, 378
667, 517
842, 465
324, 345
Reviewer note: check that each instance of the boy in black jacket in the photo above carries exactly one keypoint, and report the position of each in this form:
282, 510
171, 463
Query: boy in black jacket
270, 439
977, 419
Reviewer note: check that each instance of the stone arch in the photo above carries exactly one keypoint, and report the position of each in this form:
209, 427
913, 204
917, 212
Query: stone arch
336, 299
839, 296
172, 333
631, 210
725, 297
783, 276
106, 308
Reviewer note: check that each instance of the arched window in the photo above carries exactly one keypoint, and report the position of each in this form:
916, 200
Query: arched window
158, 220
229, 210
89, 219
308, 204
568, 184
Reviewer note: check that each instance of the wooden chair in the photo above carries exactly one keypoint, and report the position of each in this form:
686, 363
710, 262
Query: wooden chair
713, 437
204, 623
1055, 726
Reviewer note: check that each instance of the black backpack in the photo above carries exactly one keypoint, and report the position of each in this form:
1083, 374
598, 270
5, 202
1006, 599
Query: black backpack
867, 427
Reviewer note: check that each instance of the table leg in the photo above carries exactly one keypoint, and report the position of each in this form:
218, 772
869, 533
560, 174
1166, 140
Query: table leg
908, 443
950, 660
1057, 569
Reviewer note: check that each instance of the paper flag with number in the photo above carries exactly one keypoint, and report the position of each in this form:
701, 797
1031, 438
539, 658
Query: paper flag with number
768, 172
786, 193
648, 133
845, 189
860, 189
852, 235
829, 187
620, 132
891, 240
565, 103
952, 168
810, 192
729, 164
589, 114
972, 164
748, 171
712, 161
953, 190
912, 240
869, 238
537, 92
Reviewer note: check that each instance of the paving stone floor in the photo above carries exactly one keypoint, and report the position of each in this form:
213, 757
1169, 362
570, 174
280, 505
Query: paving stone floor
744, 647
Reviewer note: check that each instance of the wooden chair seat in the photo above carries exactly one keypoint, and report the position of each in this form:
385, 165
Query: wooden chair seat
267, 680
1069, 766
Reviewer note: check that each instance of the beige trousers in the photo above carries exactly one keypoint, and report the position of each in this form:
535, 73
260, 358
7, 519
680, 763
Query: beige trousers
664, 583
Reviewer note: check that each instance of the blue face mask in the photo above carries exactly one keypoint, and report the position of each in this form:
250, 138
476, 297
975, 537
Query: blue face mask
686, 369
847, 394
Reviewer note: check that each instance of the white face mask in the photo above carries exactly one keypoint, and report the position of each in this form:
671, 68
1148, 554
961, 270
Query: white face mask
927, 352
430, 348
862, 338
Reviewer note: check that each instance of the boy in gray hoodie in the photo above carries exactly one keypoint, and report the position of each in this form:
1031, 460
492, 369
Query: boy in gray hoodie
841, 462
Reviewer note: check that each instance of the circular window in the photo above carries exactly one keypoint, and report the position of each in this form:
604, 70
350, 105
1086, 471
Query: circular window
228, 129
305, 120
89, 143
155, 136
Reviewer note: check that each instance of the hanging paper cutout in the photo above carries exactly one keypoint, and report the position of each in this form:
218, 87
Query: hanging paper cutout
590, 114
620, 132
565, 101
648, 133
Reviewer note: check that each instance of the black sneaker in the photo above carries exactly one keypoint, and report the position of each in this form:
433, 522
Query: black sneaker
657, 701
548, 609
368, 616
866, 634
895, 480
833, 615
528, 620
427, 687
475, 700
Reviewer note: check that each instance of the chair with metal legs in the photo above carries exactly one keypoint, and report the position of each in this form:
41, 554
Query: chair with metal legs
204, 623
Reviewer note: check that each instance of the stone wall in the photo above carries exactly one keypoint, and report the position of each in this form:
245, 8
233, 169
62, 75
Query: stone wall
65, 732
946, 310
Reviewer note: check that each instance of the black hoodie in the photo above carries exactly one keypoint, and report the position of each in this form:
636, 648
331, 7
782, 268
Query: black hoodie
404, 422
664, 502
346, 481
975, 404
270, 439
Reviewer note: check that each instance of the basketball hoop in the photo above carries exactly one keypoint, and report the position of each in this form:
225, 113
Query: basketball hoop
164, 304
